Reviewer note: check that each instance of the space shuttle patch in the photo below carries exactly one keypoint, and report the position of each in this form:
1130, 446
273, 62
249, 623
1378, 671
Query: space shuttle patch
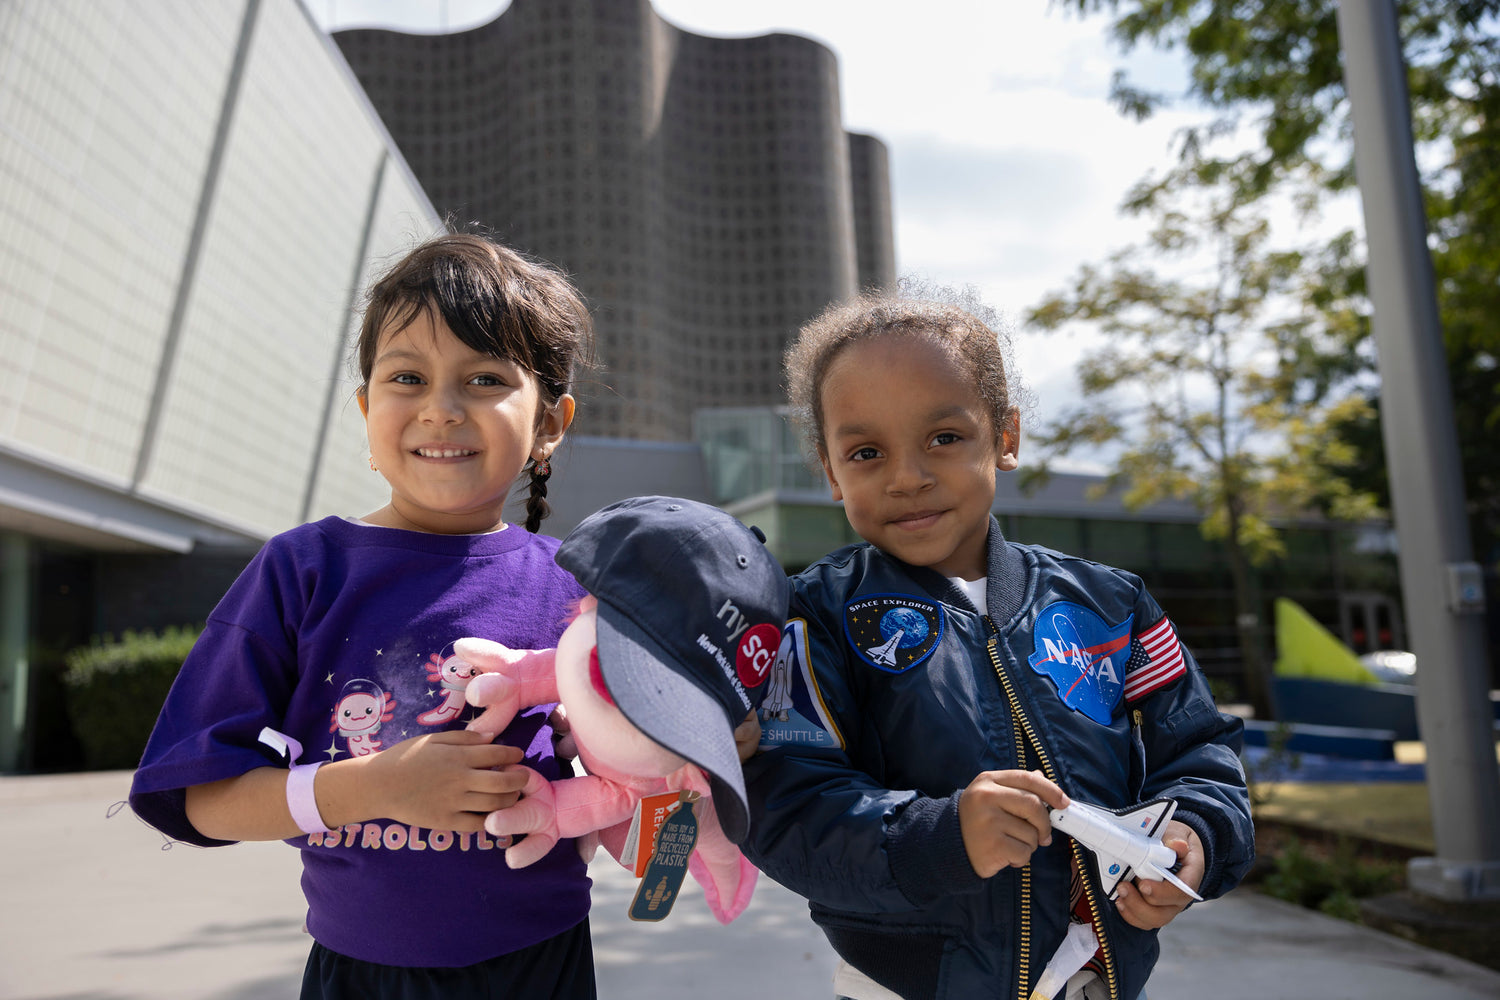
793, 713
893, 632
1083, 656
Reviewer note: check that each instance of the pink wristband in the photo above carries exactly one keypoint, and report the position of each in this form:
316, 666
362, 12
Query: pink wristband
300, 799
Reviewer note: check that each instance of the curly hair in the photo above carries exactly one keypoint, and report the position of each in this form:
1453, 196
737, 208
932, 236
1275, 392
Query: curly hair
970, 340
496, 302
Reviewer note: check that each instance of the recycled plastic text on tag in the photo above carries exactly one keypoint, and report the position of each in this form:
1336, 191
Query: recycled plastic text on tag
668, 866
640, 843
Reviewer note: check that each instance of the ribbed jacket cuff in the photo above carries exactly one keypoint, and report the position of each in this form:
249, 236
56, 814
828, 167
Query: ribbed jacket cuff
926, 847
1213, 860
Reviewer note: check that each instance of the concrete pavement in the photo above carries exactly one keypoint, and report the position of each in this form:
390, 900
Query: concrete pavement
92, 908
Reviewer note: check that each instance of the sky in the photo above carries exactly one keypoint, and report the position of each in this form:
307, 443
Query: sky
1008, 162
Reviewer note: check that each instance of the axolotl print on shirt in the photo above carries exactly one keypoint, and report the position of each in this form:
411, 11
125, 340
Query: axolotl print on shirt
368, 664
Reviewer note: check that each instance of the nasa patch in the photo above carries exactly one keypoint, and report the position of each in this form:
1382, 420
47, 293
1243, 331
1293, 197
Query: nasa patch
1083, 656
893, 632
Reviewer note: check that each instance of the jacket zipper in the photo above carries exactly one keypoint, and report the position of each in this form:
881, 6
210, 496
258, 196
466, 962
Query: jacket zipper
1022, 725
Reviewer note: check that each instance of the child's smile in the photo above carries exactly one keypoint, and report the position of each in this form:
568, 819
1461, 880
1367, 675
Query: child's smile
910, 450
917, 521
438, 453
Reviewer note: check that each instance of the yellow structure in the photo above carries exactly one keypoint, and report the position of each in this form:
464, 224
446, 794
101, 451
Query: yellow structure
1305, 648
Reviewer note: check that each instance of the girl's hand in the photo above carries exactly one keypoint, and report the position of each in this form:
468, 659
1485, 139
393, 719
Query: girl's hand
1148, 903
1003, 817
443, 781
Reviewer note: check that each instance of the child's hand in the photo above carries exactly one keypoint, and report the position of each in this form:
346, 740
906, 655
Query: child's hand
747, 736
1148, 903
443, 781
564, 744
1003, 817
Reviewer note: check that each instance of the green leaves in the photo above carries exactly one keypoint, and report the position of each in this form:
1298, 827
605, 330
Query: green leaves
116, 688
1273, 70
1214, 382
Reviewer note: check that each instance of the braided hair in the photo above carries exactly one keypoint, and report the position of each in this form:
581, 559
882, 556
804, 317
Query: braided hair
536, 501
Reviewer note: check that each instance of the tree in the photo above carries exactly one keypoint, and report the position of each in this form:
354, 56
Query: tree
1272, 69
1202, 389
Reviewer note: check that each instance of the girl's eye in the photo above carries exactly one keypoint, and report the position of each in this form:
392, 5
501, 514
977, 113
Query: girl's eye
406, 378
487, 380
864, 455
946, 437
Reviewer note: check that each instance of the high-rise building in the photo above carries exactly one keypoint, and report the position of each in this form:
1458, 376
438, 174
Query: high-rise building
702, 192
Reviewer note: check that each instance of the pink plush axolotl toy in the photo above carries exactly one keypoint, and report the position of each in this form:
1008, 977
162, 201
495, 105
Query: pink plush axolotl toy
667, 654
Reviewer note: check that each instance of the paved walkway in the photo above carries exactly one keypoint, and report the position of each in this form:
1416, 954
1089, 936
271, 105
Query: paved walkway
91, 908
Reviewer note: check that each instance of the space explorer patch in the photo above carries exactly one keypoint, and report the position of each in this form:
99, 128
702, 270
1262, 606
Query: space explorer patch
1083, 656
893, 632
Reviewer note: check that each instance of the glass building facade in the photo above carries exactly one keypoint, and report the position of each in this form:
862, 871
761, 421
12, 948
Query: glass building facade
1345, 576
192, 197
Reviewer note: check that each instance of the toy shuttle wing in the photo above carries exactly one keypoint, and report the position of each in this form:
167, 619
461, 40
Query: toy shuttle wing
1149, 820
1125, 844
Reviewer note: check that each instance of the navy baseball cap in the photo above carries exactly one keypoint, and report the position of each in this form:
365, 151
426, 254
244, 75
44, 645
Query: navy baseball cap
691, 607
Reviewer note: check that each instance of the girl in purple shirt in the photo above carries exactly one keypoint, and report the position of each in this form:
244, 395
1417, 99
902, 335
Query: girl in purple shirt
318, 707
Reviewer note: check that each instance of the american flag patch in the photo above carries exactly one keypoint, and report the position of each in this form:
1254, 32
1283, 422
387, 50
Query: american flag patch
1155, 661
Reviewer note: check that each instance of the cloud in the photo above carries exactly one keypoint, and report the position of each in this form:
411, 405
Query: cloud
942, 181
403, 15
1018, 221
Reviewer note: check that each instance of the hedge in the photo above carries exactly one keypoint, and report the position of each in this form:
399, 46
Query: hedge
116, 689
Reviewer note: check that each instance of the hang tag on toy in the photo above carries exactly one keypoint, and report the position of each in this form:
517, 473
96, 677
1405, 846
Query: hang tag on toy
640, 843
668, 863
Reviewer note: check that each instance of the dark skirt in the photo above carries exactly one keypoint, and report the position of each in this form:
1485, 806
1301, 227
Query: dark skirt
561, 967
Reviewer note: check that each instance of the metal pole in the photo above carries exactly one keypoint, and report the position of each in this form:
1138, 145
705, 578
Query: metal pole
1440, 583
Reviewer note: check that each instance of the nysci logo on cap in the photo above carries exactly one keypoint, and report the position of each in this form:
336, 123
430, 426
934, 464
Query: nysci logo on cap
757, 651
691, 606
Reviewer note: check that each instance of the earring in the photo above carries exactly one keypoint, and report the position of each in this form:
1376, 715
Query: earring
542, 468
372, 464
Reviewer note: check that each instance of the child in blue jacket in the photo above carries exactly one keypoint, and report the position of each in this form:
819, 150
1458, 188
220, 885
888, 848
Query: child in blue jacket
941, 688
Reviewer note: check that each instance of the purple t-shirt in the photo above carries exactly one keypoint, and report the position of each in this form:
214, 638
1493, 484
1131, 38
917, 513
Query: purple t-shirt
336, 634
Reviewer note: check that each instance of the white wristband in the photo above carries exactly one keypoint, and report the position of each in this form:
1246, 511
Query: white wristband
300, 799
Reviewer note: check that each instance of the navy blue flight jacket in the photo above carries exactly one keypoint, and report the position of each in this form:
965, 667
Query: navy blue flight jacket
895, 692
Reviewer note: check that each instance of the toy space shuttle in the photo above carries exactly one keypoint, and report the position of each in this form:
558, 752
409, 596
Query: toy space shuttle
1125, 844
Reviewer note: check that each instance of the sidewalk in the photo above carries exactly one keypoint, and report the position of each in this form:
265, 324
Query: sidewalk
91, 908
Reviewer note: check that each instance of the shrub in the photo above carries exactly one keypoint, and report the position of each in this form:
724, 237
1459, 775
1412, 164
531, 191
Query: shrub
1278, 763
116, 690
1331, 879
